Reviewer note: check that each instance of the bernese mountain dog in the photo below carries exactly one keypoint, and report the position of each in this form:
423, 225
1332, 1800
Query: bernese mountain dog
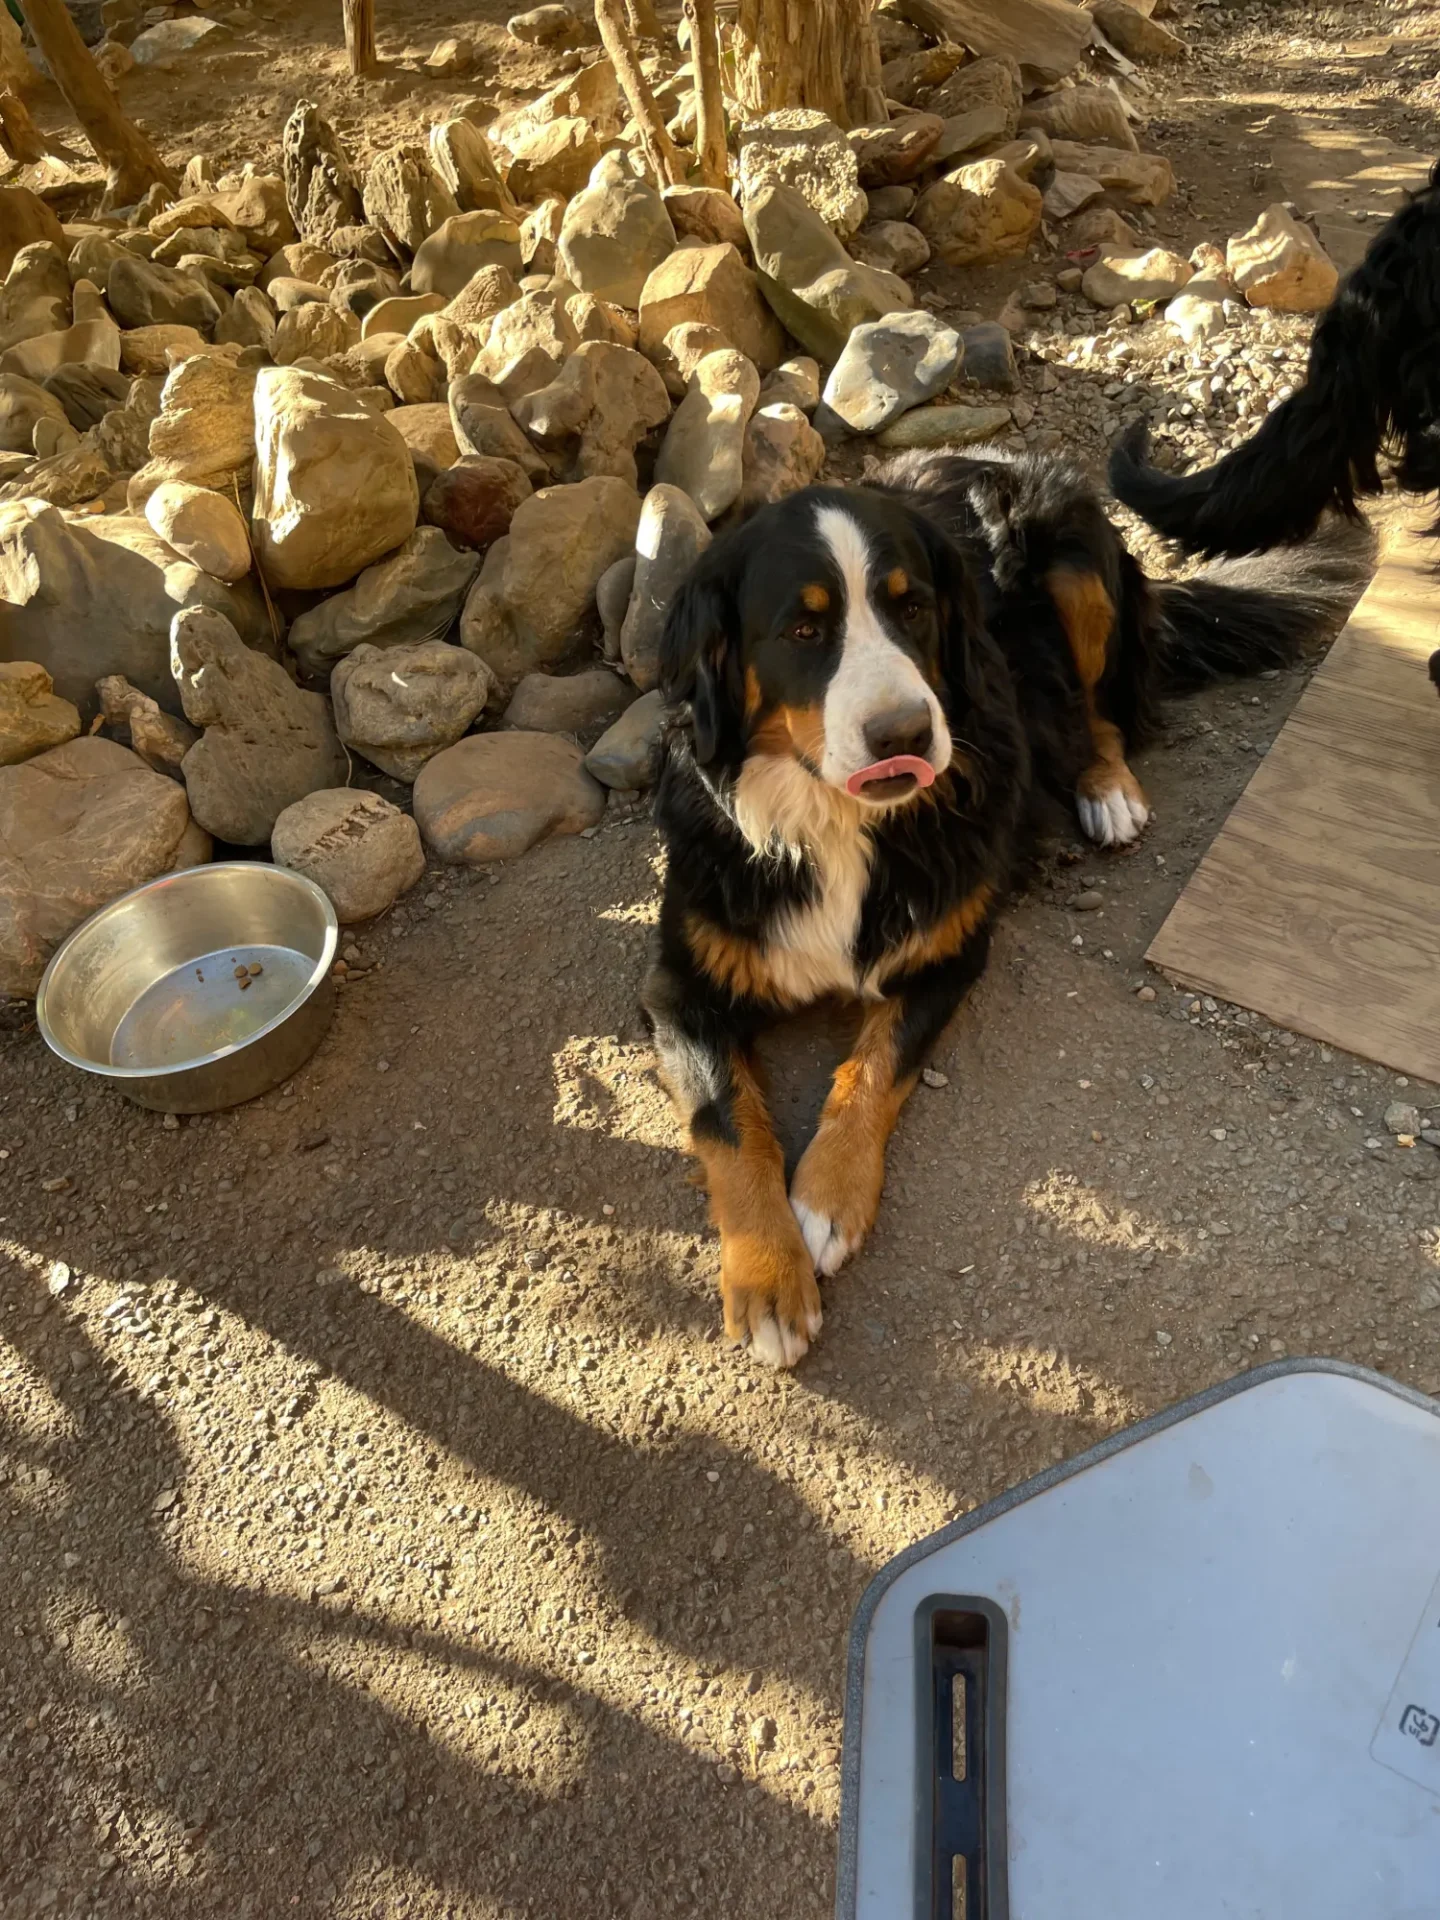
878, 688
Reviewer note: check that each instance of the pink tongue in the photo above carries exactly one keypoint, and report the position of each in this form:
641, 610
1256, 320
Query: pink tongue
920, 771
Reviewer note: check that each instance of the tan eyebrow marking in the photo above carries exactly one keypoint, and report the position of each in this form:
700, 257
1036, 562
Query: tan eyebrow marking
816, 598
898, 582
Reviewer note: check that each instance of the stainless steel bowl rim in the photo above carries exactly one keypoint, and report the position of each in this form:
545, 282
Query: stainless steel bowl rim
321, 968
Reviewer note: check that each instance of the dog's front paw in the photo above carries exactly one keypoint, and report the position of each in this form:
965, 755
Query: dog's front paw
772, 1304
1112, 805
835, 1199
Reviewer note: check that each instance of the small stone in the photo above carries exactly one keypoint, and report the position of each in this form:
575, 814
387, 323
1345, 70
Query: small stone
934, 1078
32, 716
494, 795
1163, 1339
582, 704
1124, 275
988, 357
783, 453
1278, 263
1401, 1117
361, 851
703, 452
762, 1733
398, 706
204, 527
627, 757
890, 366
60, 1280
1145, 993
893, 245
1087, 902
945, 426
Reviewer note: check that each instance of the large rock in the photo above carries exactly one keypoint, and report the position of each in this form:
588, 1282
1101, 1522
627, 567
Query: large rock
945, 427
35, 297
1145, 179
203, 527
320, 186
1093, 116
988, 356
312, 332
205, 429
669, 540
412, 594
1123, 275
86, 598
783, 453
704, 451
454, 253
398, 706
358, 849
461, 155
141, 294
705, 214
890, 366
908, 75
33, 717
1045, 37
992, 82
335, 485
615, 232
265, 742
1279, 263
484, 428
79, 826
819, 293
580, 704
534, 601
94, 341
527, 345
893, 245
979, 214
629, 754
426, 429
1131, 30
256, 206
405, 199
24, 219
797, 147
794, 383
554, 159
87, 393
488, 291
494, 795
591, 419
710, 286
893, 151
161, 739
23, 404
474, 501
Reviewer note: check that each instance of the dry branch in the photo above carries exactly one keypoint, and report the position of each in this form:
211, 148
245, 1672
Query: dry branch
132, 161
709, 93
661, 153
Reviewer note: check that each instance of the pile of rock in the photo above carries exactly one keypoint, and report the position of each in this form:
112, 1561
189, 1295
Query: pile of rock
396, 467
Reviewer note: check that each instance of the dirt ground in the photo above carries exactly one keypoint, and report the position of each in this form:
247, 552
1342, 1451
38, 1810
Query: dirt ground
387, 1529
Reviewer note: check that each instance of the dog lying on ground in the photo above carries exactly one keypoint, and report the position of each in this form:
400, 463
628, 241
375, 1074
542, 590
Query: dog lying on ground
1373, 382
884, 685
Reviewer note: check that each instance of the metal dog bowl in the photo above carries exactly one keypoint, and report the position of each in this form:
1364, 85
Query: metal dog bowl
147, 992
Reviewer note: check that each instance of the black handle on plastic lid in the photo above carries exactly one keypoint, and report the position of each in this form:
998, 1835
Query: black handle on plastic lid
961, 1844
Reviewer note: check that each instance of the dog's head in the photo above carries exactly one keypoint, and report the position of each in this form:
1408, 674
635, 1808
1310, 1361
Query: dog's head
828, 629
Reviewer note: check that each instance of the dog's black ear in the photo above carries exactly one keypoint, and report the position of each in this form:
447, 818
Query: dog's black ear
700, 663
960, 615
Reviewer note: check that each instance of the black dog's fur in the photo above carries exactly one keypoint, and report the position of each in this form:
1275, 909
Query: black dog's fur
990, 542
1373, 382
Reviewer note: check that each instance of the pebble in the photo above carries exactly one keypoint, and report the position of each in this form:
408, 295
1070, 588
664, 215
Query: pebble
1401, 1117
1087, 902
60, 1280
933, 1078
1145, 993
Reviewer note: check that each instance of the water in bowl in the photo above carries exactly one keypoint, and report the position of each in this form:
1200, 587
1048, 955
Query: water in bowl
201, 1008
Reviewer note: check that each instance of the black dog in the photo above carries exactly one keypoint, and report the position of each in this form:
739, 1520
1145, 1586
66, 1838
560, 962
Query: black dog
1373, 382
884, 684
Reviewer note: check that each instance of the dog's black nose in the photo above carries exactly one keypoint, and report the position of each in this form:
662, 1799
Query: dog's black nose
901, 730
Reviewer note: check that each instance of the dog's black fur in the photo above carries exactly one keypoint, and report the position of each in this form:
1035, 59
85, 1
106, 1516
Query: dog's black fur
1372, 384
981, 542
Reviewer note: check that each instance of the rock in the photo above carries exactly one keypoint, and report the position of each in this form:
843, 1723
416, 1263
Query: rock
614, 233
601, 320
265, 744
1091, 115
414, 378
891, 203
141, 294
250, 322
1278, 263
557, 158
157, 349
979, 214
580, 704
1125, 275
80, 825
68, 476
495, 794
893, 245
1045, 37
488, 291
1142, 178
24, 219
1098, 227
612, 601
399, 313
205, 428
454, 253
312, 332
912, 74
123, 436
32, 716
712, 286
628, 755
532, 604
474, 500
551, 26
427, 431
1031, 156
484, 427
1134, 33
1198, 312
707, 215
412, 594
87, 393
799, 148
405, 199
361, 243
670, 538
203, 527
946, 427
794, 383
23, 404
527, 345
1402, 1117
460, 154
455, 54
361, 851
1067, 193
161, 739
590, 420
895, 150
35, 297
964, 133
783, 453
681, 352
94, 341
990, 82
314, 526
890, 366
539, 233
256, 206
398, 706
987, 356
320, 187
161, 44
703, 452
287, 293
818, 292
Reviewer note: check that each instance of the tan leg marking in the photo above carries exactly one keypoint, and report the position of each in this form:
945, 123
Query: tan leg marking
1109, 798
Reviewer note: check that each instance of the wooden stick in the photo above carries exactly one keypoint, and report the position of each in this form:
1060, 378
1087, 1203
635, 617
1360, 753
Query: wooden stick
660, 150
709, 93
360, 37
19, 134
644, 22
132, 161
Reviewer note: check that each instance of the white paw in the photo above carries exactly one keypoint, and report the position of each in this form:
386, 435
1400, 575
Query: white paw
829, 1247
774, 1345
1112, 819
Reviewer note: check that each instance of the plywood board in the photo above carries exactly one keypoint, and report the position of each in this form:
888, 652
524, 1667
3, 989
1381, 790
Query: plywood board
1318, 904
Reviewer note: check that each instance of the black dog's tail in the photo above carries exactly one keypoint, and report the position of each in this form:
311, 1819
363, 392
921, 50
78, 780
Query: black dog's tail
1242, 616
1373, 378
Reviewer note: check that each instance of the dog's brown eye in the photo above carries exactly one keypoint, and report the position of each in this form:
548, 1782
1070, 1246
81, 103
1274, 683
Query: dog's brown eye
913, 610
803, 630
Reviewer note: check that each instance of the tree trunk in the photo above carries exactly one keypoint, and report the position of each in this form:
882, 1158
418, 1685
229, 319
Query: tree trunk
133, 163
19, 134
644, 23
709, 93
822, 54
360, 36
661, 152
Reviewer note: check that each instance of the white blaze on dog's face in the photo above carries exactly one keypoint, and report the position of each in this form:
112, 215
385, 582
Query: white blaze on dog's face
878, 706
